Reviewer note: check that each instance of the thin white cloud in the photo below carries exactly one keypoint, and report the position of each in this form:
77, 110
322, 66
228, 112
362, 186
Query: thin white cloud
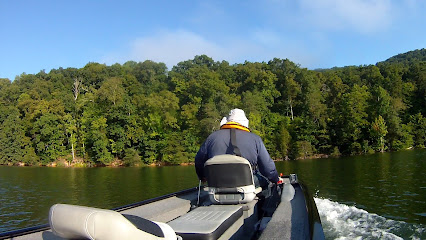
172, 47
365, 16
169, 47
272, 44
360, 16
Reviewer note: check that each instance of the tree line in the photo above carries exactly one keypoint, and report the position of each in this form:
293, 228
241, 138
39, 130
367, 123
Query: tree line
141, 113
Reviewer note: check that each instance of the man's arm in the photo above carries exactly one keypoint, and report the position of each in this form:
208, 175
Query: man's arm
266, 164
200, 159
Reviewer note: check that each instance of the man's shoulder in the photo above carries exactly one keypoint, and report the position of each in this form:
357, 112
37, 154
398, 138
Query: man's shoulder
217, 134
251, 134
255, 136
223, 132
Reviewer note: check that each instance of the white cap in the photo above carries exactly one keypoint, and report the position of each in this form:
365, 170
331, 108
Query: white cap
236, 115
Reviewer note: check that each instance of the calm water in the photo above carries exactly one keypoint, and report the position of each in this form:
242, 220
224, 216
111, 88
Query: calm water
380, 196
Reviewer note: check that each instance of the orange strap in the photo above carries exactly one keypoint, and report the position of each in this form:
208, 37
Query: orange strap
235, 125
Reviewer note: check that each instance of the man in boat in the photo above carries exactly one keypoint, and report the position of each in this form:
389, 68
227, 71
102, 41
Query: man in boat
250, 147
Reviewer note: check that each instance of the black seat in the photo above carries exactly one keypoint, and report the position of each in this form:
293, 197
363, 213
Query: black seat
230, 180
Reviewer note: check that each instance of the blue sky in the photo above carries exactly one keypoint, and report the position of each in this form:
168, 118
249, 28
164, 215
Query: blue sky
41, 35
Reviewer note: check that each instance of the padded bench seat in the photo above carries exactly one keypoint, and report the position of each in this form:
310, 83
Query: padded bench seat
210, 222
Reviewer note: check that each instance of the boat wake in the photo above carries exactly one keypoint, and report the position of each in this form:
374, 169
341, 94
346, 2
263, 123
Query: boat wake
341, 221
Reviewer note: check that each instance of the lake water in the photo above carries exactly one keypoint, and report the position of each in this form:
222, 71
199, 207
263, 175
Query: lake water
379, 196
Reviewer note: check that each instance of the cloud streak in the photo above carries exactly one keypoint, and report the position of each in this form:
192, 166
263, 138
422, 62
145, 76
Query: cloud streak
172, 47
364, 16
360, 16
169, 47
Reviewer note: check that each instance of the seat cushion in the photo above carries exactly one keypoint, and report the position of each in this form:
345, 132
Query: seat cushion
79, 222
207, 222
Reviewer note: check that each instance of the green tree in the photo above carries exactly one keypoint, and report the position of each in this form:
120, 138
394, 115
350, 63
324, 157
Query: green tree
352, 123
418, 125
302, 150
71, 131
256, 77
291, 91
98, 141
4, 87
312, 98
49, 137
112, 91
94, 74
378, 132
381, 102
283, 141
417, 76
15, 147
131, 157
405, 139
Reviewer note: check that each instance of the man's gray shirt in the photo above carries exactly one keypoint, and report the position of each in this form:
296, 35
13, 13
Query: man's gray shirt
251, 147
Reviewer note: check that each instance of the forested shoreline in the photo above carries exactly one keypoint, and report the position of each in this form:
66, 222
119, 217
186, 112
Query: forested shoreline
142, 113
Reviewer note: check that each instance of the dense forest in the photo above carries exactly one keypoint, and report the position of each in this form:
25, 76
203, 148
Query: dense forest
142, 113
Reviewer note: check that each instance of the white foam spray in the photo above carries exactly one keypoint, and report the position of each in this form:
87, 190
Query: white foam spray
341, 222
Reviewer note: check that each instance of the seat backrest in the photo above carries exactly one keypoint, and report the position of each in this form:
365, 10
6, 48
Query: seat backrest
78, 222
230, 179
